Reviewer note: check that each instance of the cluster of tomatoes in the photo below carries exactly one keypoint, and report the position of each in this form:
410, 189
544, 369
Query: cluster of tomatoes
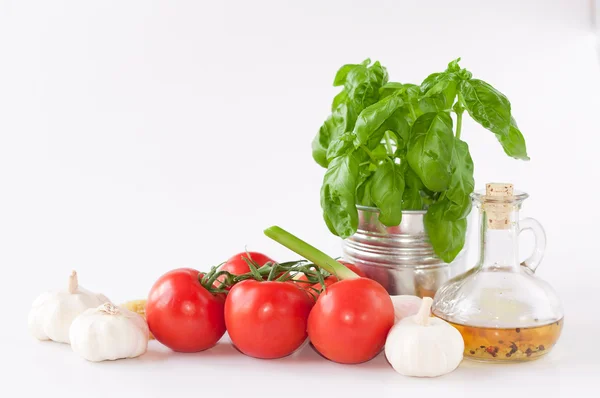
346, 321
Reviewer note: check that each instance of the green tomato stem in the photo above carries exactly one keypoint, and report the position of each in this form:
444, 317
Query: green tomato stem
309, 252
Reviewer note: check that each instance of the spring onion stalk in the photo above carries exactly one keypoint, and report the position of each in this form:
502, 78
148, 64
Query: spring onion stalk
309, 252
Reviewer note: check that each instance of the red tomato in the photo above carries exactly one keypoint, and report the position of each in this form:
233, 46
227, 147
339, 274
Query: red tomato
182, 314
237, 265
350, 321
267, 319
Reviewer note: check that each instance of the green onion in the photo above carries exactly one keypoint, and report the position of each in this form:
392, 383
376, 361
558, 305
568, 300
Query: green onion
309, 252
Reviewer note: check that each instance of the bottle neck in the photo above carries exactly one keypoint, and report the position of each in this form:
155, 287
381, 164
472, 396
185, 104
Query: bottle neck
499, 245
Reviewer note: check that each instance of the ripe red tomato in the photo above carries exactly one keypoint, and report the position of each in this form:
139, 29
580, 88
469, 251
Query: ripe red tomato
267, 319
237, 265
350, 321
182, 314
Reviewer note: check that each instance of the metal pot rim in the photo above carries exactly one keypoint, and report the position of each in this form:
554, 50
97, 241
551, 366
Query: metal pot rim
376, 210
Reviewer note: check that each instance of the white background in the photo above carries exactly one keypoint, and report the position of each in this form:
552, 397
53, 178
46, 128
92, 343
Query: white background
141, 136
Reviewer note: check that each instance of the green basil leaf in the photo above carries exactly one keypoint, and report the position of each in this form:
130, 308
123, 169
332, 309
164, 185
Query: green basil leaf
373, 117
338, 195
390, 88
447, 237
419, 105
359, 86
379, 153
341, 120
461, 183
435, 103
387, 188
362, 86
430, 81
486, 105
443, 86
461, 73
342, 145
397, 125
412, 92
320, 144
342, 73
363, 192
412, 198
380, 73
430, 150
514, 142
453, 66
341, 98
411, 178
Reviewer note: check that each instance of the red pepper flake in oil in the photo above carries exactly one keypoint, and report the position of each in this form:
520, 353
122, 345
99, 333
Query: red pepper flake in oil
493, 351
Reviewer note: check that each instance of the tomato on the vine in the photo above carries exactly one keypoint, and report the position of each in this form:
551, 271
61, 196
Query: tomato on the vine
267, 319
350, 320
182, 314
236, 265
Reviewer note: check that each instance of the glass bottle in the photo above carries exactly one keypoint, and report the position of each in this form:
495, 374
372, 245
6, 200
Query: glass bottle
503, 311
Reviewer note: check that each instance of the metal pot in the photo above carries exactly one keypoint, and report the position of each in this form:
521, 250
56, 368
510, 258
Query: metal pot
400, 257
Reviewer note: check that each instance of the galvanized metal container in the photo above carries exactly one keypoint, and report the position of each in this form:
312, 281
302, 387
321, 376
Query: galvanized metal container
400, 257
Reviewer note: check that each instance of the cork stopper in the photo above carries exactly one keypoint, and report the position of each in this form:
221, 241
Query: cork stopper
498, 189
498, 213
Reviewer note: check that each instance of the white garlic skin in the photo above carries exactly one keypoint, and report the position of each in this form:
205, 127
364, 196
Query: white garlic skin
53, 312
405, 305
424, 351
100, 336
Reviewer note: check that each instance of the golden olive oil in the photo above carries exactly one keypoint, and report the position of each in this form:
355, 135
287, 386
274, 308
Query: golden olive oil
514, 344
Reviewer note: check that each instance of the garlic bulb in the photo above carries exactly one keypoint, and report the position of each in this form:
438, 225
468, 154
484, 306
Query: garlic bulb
423, 346
51, 313
108, 333
405, 305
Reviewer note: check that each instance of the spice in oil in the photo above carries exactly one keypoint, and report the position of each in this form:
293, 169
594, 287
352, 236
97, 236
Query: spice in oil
514, 344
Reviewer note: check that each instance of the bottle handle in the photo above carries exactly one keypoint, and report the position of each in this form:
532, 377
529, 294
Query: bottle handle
533, 261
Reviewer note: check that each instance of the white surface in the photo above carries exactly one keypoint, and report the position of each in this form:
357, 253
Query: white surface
139, 136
